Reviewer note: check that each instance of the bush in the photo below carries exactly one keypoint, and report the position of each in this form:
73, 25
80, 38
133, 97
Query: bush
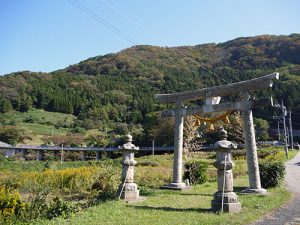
271, 173
196, 171
267, 153
11, 134
11, 205
60, 208
148, 163
37, 206
107, 181
239, 154
153, 176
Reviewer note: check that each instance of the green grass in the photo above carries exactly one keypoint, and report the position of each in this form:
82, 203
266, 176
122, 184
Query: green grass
161, 206
37, 116
41, 129
34, 166
172, 207
38, 123
292, 154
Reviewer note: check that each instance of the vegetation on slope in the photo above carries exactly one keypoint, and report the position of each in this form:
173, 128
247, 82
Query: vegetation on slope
117, 90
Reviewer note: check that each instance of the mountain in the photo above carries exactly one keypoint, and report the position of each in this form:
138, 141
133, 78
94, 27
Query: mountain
119, 88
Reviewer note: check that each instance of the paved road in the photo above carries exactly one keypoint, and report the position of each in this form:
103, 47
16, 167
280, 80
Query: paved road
290, 213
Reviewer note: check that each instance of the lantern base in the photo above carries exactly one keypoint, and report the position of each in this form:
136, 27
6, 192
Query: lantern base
258, 191
130, 193
230, 202
176, 186
233, 207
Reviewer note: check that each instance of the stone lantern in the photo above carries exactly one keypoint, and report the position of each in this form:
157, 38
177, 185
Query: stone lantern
224, 164
128, 189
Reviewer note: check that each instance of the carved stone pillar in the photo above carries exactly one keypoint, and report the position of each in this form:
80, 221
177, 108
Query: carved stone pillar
129, 190
224, 164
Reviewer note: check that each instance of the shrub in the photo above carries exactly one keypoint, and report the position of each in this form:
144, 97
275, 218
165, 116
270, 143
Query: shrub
239, 154
266, 153
271, 173
60, 208
11, 134
69, 179
196, 171
11, 205
148, 163
37, 206
107, 181
153, 176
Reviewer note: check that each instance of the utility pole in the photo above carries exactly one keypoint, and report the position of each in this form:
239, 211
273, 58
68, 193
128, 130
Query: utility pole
284, 113
278, 118
153, 147
291, 130
62, 154
284, 128
287, 132
278, 130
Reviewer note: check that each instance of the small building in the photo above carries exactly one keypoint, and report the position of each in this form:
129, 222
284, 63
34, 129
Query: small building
6, 150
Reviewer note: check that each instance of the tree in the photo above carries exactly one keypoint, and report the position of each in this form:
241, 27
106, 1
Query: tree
100, 140
235, 128
66, 140
25, 103
159, 129
191, 141
11, 134
261, 129
5, 106
121, 128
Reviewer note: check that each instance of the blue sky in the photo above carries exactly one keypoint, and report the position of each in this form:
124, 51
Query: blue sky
46, 35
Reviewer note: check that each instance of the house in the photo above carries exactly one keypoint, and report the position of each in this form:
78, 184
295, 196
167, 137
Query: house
5, 148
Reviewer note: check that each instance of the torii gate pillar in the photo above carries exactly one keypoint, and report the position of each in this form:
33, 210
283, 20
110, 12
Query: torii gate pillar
251, 150
177, 183
178, 148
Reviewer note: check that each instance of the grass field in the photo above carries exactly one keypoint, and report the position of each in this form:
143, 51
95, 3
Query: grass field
36, 116
38, 123
171, 208
72, 181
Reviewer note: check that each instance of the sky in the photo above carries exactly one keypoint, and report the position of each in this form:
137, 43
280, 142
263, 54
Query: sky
47, 35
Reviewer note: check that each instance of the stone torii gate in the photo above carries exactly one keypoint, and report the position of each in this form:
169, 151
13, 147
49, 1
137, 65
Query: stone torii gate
245, 105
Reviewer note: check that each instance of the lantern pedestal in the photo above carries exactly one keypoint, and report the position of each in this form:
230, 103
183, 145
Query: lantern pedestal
225, 199
128, 189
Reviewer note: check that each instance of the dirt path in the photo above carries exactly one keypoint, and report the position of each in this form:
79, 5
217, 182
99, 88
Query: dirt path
290, 213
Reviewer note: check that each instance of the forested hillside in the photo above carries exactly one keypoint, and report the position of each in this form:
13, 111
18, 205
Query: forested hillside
116, 91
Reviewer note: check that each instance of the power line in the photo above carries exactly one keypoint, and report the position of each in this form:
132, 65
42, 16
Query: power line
128, 38
203, 67
128, 18
103, 21
156, 36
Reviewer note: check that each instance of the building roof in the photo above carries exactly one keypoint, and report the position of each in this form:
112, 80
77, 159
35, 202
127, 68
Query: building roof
2, 144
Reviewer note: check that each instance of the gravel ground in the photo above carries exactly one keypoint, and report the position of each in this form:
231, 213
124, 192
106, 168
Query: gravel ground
290, 213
